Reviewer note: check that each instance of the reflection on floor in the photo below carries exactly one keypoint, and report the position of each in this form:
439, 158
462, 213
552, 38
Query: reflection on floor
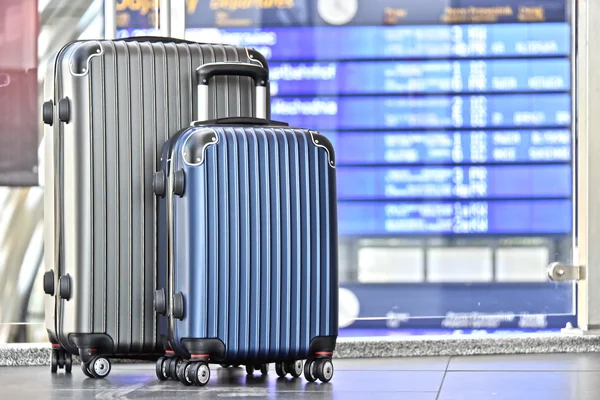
510, 377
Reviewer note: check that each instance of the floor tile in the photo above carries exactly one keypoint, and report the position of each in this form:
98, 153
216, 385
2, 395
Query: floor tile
139, 382
527, 362
499, 385
393, 364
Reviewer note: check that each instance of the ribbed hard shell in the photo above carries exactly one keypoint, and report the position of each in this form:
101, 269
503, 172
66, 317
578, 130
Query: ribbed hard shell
255, 243
133, 97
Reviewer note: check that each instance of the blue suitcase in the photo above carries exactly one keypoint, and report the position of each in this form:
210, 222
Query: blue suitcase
249, 223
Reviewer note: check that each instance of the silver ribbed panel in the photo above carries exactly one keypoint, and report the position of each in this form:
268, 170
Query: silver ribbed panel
133, 98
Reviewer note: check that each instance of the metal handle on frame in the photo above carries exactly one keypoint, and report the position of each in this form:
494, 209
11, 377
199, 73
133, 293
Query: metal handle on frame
205, 72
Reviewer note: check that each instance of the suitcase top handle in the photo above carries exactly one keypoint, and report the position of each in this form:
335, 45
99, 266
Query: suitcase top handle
205, 72
156, 39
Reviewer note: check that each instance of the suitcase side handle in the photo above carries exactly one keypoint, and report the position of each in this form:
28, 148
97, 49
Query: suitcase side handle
205, 72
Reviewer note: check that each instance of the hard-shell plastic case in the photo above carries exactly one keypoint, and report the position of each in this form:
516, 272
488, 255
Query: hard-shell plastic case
251, 232
110, 106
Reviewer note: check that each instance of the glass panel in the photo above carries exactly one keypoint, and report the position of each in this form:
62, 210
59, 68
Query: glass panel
452, 123
31, 31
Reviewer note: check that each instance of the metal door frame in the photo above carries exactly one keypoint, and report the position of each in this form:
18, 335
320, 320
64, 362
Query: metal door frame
585, 270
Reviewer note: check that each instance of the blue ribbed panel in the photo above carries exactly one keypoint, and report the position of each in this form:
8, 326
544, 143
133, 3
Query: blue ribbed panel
324, 228
314, 237
260, 211
212, 259
296, 247
275, 244
264, 201
245, 242
307, 292
195, 280
286, 240
255, 243
234, 242
223, 265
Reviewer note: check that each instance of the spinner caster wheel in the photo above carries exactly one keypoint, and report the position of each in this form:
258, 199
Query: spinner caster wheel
161, 369
324, 370
249, 369
280, 369
61, 359
294, 368
183, 373
54, 361
264, 369
199, 374
174, 366
309, 370
99, 367
225, 365
85, 368
68, 362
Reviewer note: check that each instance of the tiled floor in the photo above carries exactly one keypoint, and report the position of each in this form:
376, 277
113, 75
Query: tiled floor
514, 377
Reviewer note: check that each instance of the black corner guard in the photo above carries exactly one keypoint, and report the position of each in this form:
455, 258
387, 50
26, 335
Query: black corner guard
91, 344
214, 348
322, 346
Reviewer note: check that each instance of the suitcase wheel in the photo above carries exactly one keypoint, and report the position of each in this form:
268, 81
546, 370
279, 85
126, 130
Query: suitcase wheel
321, 369
174, 367
61, 359
293, 368
54, 361
161, 368
263, 368
86, 370
68, 362
199, 373
98, 367
183, 371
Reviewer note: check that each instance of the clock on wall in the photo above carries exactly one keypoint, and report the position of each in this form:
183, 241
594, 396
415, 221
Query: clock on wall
337, 12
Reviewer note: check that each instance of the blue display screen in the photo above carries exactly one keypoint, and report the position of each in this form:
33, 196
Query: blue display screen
473, 217
409, 112
383, 183
446, 147
444, 76
439, 127
381, 42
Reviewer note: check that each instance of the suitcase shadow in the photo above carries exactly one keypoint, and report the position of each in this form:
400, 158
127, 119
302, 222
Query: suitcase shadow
237, 377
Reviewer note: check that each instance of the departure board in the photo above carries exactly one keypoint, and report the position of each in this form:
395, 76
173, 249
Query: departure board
446, 117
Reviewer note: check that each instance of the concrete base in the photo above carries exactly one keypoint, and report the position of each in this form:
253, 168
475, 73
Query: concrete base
39, 353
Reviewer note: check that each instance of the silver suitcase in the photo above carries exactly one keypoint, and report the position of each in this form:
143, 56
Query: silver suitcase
110, 105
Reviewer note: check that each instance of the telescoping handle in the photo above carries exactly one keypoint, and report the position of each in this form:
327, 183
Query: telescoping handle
205, 72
